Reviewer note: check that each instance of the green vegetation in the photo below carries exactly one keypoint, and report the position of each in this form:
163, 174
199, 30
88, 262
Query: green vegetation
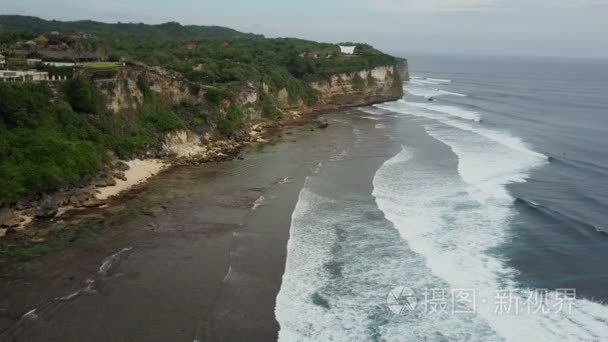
103, 65
46, 145
218, 56
42, 145
358, 82
230, 122
82, 95
50, 138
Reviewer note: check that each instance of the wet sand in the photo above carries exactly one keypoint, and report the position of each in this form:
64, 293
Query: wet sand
196, 253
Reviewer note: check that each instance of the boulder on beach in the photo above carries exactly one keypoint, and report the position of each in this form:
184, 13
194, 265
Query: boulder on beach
47, 207
121, 166
104, 179
8, 218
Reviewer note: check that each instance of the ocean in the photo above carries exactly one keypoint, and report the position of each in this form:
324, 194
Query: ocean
471, 210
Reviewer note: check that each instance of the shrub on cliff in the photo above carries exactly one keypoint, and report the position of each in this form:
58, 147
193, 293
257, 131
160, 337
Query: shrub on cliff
82, 95
230, 123
162, 119
278, 78
358, 82
215, 95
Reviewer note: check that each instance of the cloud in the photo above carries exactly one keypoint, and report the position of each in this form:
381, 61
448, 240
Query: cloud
431, 5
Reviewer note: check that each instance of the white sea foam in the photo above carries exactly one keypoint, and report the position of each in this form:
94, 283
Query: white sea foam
501, 137
332, 230
429, 81
450, 110
452, 93
306, 255
430, 92
258, 202
453, 221
374, 118
374, 111
439, 80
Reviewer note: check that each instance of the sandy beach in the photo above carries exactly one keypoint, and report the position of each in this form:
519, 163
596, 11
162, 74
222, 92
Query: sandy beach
188, 254
139, 171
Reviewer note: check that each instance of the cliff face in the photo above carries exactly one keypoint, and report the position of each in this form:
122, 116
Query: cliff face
124, 92
361, 88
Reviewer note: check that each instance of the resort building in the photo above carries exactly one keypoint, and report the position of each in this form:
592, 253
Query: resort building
18, 75
347, 50
33, 61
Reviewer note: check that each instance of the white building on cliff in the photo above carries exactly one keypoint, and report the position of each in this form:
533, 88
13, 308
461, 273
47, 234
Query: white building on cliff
347, 50
24, 76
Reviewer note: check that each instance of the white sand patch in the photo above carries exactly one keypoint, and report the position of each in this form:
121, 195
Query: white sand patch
140, 171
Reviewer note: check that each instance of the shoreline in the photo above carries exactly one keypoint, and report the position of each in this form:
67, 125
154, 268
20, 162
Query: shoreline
204, 250
201, 240
139, 171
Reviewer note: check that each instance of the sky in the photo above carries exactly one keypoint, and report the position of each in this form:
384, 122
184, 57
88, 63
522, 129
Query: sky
559, 28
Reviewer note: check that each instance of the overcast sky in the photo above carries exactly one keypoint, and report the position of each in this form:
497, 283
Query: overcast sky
566, 28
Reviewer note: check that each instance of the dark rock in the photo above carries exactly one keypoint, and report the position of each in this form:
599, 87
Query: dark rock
323, 125
92, 202
241, 136
121, 166
47, 207
77, 201
120, 175
23, 204
61, 198
240, 158
104, 179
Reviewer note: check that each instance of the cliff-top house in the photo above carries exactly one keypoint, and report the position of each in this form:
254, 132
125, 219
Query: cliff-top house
347, 50
190, 46
23, 76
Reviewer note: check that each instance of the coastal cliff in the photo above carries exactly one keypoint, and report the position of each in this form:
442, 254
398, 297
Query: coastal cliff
361, 88
165, 118
123, 91
125, 96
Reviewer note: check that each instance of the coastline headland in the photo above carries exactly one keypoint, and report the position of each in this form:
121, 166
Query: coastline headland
125, 97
